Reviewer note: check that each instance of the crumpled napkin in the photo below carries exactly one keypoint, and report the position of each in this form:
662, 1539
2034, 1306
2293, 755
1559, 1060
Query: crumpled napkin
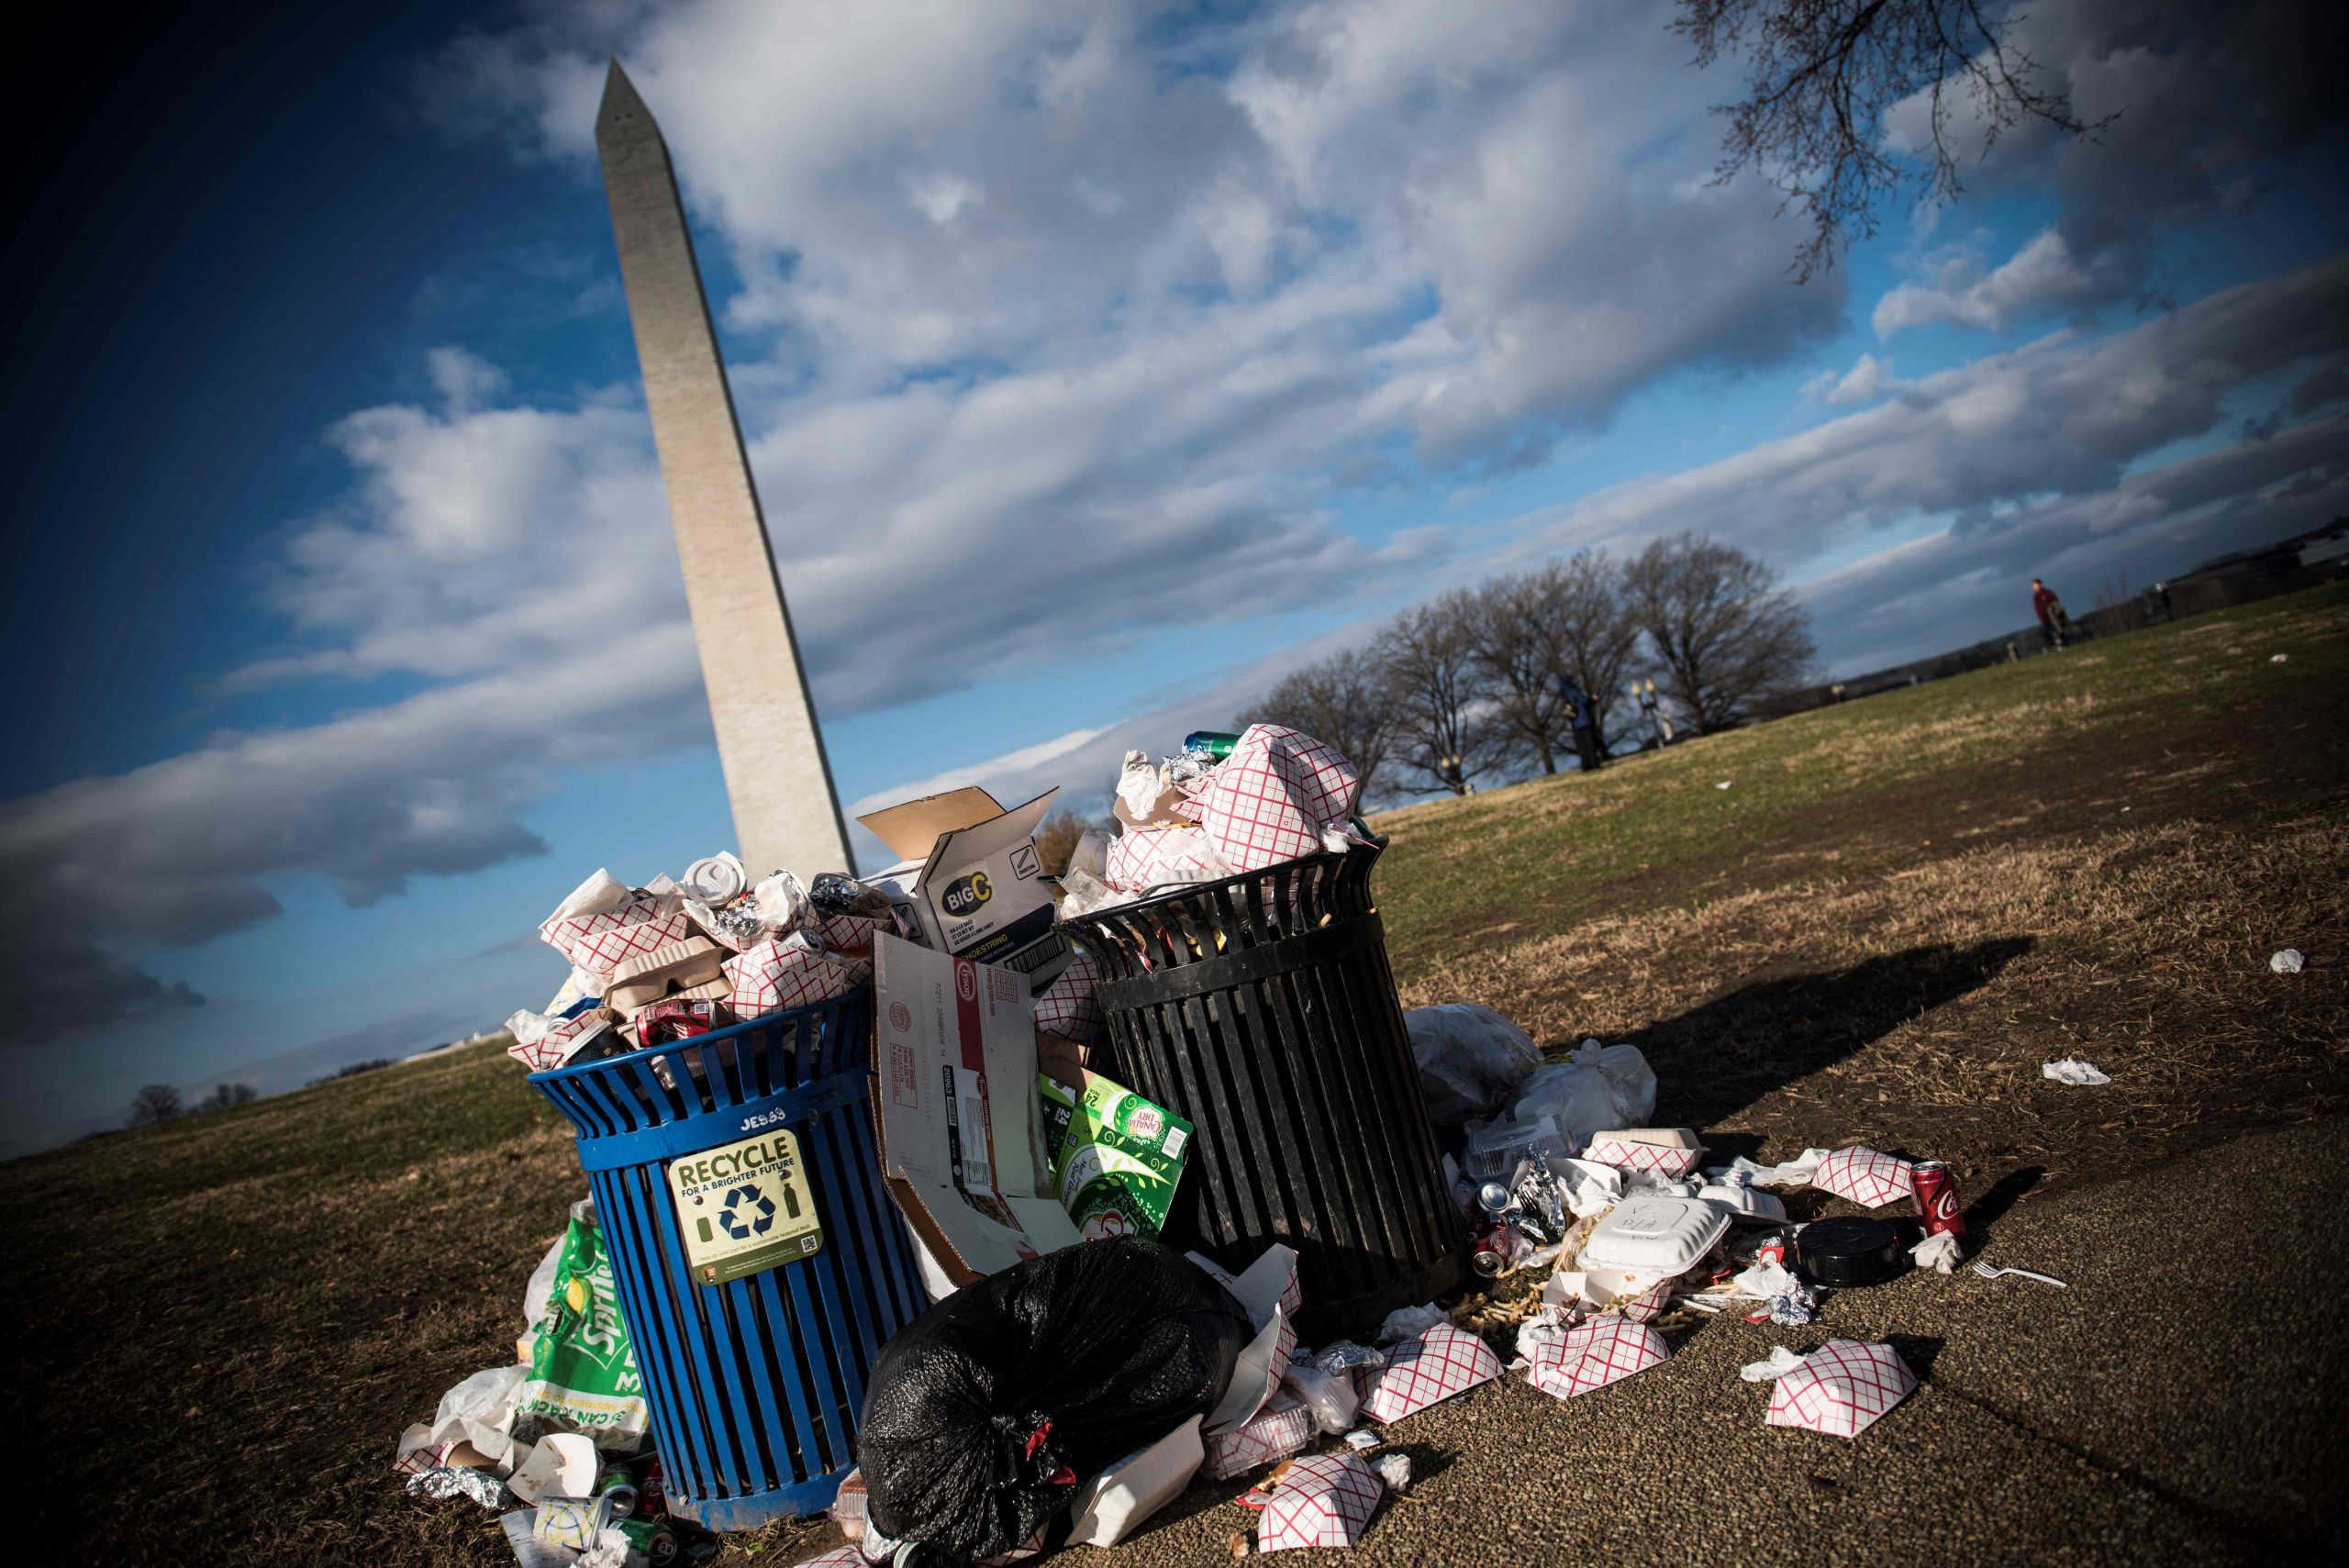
2072, 1070
612, 1550
1940, 1254
1782, 1361
1410, 1322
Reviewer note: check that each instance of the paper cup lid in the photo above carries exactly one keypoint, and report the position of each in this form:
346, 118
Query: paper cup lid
716, 879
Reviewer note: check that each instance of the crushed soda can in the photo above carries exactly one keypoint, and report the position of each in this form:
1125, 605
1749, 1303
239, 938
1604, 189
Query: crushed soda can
620, 1489
656, 1540
1495, 1248
651, 1496
675, 1019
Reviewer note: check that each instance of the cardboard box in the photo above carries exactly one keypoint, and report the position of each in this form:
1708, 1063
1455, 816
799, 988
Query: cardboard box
1116, 1158
970, 879
961, 1144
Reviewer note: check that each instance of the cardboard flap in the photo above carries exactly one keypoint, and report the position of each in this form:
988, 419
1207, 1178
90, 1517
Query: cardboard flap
912, 827
972, 841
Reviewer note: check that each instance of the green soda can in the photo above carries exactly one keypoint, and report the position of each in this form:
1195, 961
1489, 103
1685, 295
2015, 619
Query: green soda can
620, 1487
1216, 743
655, 1540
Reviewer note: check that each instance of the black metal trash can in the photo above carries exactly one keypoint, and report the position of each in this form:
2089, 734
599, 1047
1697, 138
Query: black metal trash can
1263, 1010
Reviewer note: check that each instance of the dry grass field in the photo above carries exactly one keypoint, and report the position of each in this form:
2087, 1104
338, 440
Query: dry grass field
1896, 911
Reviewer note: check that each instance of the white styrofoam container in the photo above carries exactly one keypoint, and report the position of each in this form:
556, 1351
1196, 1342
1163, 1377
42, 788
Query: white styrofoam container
1649, 1236
1746, 1203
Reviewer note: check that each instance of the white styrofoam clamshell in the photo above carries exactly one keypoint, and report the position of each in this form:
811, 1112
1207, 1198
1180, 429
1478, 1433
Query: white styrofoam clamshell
1746, 1203
1655, 1237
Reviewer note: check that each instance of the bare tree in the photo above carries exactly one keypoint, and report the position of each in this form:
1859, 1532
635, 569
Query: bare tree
1594, 633
226, 1095
1514, 641
1823, 74
1056, 838
155, 1103
1723, 635
1341, 700
1443, 717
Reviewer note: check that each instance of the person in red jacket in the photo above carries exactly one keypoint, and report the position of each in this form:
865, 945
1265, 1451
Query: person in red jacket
2053, 624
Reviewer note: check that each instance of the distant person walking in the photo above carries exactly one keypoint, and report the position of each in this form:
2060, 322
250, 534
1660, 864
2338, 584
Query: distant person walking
1658, 720
2053, 624
1586, 723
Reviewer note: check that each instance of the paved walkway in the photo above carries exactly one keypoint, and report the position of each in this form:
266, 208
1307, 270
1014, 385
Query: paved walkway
2183, 1402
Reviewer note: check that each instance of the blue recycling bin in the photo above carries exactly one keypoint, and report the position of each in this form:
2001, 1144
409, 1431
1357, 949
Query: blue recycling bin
760, 1263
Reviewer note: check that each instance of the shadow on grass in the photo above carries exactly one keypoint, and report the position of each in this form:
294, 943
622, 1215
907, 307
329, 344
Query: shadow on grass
1719, 1058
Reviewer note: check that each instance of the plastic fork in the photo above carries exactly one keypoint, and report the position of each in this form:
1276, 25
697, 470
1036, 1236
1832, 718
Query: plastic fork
1987, 1271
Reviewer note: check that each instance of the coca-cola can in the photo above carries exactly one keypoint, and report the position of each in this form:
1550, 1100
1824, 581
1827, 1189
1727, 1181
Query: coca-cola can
1937, 1199
1494, 1250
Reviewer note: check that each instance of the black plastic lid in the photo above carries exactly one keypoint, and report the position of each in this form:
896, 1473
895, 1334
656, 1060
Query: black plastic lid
1850, 1250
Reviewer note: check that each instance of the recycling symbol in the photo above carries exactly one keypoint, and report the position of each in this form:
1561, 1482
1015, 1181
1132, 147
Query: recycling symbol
737, 1218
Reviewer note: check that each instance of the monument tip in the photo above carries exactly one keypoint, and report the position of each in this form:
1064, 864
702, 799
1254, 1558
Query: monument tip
622, 110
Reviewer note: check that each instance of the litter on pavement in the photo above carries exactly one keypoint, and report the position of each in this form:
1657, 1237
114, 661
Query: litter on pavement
1071, 1376
1841, 1388
1988, 1271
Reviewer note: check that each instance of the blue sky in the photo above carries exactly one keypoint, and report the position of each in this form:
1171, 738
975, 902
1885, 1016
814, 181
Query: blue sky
1100, 363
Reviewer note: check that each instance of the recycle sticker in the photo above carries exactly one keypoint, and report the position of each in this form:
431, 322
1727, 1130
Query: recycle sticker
744, 1207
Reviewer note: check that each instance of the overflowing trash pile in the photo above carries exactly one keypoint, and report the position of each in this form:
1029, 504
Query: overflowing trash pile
1071, 1374
1223, 806
554, 1443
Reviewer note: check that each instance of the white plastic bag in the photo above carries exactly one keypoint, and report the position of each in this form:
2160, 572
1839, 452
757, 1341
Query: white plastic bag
1494, 1151
1333, 1396
1471, 1060
1599, 1088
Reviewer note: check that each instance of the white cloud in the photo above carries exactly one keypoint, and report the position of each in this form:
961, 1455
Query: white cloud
2042, 276
1065, 321
2194, 104
2026, 454
1961, 584
1869, 379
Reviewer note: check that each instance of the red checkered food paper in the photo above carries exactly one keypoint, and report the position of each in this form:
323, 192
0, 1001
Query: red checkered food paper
1269, 801
1143, 858
1068, 1007
1438, 1364
1281, 1428
782, 973
601, 942
1626, 1154
1864, 1176
1841, 1388
1604, 1349
1649, 1306
1321, 1501
560, 1042
851, 935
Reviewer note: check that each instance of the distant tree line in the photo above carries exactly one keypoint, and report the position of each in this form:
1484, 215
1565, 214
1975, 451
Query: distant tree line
161, 1103
157, 1103
1467, 686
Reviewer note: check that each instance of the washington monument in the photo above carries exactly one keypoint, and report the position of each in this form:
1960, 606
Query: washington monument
785, 815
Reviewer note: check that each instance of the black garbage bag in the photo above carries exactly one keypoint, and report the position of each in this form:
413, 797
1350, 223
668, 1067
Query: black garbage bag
983, 1413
